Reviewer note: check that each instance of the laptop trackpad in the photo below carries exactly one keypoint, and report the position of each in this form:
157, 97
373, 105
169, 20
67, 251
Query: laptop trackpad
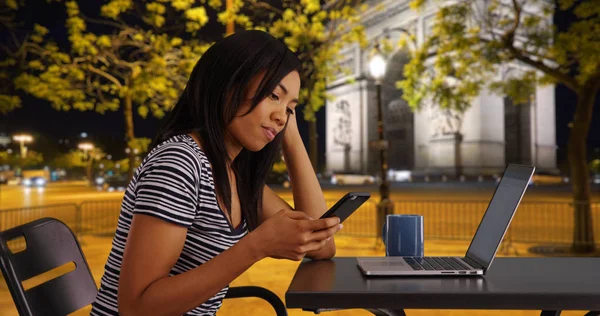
384, 263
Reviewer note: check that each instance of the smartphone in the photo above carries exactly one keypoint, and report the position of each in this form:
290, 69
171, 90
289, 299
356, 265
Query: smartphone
347, 205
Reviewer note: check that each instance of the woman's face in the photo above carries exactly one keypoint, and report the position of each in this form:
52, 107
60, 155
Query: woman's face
256, 129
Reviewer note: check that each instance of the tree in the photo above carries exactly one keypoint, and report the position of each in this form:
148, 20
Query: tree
317, 33
470, 41
32, 159
129, 58
12, 52
77, 159
595, 166
72, 159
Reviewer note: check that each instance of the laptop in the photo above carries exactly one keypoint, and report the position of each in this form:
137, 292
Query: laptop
484, 244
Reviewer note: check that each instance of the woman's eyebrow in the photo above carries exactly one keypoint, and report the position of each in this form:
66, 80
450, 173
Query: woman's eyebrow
285, 91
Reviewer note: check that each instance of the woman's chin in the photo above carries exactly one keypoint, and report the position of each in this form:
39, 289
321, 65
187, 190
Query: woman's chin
256, 146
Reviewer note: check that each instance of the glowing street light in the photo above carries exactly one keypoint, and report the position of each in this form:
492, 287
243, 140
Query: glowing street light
377, 67
22, 139
85, 146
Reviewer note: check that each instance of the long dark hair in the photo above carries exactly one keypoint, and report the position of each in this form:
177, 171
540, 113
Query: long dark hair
211, 99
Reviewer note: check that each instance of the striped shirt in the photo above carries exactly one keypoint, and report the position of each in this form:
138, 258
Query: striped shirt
173, 183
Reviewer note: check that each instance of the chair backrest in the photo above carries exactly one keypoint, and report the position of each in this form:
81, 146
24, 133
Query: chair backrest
49, 244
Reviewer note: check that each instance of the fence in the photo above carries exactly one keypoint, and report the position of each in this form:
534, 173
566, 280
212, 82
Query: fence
534, 222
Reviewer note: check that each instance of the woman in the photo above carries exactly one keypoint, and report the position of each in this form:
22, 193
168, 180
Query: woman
197, 212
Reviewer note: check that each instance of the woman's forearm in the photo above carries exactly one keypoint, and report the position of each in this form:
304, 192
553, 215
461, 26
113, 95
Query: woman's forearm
308, 196
306, 189
181, 293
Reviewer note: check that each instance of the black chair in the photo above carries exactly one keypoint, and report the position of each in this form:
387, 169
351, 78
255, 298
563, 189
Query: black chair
51, 244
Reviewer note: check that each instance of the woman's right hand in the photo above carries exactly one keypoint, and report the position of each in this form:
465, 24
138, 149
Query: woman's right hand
291, 234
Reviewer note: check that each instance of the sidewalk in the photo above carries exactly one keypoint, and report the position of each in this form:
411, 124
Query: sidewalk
276, 275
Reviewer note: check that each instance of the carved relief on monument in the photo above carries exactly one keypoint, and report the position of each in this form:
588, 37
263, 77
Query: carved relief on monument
342, 131
444, 122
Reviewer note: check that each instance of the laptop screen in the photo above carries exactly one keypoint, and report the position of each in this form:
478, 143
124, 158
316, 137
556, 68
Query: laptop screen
499, 213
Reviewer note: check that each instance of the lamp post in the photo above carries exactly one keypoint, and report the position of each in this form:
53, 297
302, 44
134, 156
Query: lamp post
22, 139
85, 147
377, 68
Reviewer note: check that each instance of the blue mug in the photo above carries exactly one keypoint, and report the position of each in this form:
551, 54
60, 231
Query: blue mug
403, 235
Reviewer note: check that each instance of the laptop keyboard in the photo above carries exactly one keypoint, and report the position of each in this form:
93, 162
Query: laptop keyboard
435, 263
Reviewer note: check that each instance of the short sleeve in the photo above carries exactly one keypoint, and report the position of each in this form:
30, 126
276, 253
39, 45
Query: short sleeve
167, 186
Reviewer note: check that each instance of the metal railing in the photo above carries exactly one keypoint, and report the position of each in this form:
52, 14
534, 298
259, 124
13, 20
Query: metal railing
98, 217
534, 222
18, 216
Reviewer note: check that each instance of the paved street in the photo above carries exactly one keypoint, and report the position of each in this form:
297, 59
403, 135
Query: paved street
55, 193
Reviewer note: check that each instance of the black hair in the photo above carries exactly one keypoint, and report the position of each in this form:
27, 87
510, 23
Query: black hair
214, 93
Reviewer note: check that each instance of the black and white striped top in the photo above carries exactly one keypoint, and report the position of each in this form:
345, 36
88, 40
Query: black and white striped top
175, 184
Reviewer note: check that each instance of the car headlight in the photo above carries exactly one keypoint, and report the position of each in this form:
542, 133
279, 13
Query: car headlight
40, 182
99, 181
27, 182
333, 180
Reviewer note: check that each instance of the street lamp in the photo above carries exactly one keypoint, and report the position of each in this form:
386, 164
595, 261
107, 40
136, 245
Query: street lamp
377, 68
85, 147
22, 139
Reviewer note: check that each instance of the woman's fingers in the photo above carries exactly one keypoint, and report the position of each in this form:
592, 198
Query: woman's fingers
325, 233
313, 246
321, 224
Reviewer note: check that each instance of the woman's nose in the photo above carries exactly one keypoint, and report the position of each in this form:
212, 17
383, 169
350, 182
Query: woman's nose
279, 116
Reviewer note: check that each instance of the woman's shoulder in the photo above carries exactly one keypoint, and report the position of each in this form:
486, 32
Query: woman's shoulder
178, 150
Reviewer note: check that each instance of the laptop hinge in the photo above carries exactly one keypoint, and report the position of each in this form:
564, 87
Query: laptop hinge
473, 263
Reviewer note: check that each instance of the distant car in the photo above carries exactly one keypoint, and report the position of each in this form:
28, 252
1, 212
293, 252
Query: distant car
113, 183
278, 178
399, 175
351, 178
543, 178
34, 182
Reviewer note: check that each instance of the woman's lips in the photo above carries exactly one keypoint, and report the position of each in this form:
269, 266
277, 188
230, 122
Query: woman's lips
270, 133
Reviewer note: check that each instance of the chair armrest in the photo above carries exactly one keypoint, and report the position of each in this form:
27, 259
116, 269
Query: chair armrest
257, 291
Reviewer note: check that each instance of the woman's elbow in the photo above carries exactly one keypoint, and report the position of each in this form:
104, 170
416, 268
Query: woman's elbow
127, 305
325, 253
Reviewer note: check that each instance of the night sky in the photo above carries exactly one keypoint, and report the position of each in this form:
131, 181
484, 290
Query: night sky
38, 118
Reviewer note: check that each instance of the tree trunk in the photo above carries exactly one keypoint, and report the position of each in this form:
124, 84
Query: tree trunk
458, 169
129, 133
88, 171
312, 143
583, 233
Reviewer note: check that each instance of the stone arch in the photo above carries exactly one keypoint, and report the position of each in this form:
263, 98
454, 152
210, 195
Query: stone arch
517, 125
395, 66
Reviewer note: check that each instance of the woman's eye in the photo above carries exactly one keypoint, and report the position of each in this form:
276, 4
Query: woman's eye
274, 97
290, 111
